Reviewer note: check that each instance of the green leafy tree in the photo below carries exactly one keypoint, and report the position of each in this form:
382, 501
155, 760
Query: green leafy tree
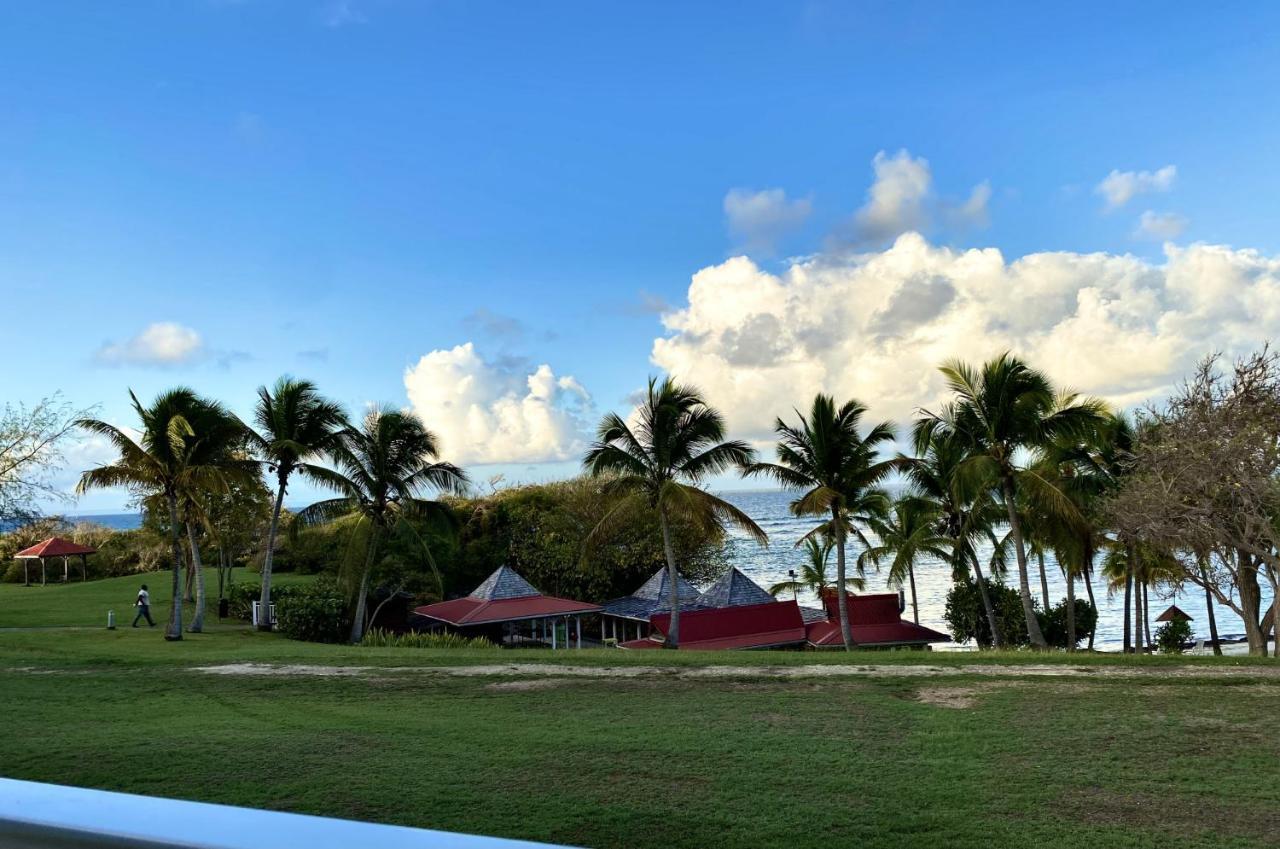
382, 468
906, 535
814, 577
1006, 410
295, 424
678, 442
839, 470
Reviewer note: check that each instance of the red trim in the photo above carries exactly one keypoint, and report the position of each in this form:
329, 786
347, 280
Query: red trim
55, 547
478, 611
748, 626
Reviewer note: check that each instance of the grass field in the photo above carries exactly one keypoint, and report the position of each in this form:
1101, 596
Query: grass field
965, 759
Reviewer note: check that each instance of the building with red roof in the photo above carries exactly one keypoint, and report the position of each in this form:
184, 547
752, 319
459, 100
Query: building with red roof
875, 621
55, 547
771, 624
509, 611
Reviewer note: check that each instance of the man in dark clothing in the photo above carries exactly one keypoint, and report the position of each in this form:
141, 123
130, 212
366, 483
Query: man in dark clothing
144, 607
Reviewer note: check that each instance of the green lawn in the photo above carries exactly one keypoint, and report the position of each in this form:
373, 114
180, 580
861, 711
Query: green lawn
961, 760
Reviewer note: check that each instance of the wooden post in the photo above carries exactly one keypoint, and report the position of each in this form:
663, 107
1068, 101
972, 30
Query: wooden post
26, 579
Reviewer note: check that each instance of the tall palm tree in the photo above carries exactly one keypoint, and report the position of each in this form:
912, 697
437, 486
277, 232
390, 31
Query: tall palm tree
813, 575
908, 533
1005, 410
381, 470
294, 425
659, 465
183, 450
967, 513
839, 469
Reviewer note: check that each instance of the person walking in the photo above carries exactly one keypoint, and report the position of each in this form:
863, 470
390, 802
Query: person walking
144, 607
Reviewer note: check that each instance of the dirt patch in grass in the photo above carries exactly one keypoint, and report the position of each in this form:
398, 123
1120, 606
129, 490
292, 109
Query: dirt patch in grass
955, 698
526, 684
1172, 814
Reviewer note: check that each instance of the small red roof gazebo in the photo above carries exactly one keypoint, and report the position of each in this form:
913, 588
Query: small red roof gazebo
1174, 614
55, 547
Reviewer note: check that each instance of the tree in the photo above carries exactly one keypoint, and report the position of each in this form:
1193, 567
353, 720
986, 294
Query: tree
677, 443
181, 451
295, 424
839, 470
1004, 411
906, 535
381, 470
813, 575
31, 448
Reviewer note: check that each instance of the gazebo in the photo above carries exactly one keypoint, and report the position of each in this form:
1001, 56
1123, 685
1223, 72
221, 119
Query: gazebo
654, 596
1174, 614
55, 547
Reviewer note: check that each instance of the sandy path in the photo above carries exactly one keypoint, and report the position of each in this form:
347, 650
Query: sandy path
755, 672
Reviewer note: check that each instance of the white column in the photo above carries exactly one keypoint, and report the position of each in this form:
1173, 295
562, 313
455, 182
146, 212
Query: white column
577, 628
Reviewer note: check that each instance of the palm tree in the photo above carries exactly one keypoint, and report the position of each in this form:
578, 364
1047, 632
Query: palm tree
295, 424
967, 513
813, 575
382, 469
183, 450
839, 469
676, 444
1005, 410
907, 534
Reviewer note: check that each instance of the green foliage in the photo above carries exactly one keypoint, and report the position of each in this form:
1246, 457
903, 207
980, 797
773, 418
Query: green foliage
1054, 623
119, 552
968, 621
378, 638
316, 612
241, 596
1171, 636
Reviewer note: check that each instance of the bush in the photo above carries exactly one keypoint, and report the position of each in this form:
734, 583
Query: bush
242, 595
1054, 623
315, 612
968, 621
378, 638
1172, 636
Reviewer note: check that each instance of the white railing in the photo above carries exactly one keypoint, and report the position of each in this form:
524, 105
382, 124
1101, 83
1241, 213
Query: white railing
49, 816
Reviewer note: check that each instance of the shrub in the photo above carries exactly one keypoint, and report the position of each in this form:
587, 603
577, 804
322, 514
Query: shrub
1171, 636
316, 612
1054, 623
378, 638
968, 621
241, 596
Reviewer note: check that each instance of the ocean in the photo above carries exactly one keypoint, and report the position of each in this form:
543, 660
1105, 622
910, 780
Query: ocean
768, 565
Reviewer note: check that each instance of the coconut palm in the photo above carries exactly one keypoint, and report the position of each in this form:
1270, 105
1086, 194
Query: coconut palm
184, 449
382, 468
907, 534
295, 424
839, 470
658, 465
1004, 410
813, 575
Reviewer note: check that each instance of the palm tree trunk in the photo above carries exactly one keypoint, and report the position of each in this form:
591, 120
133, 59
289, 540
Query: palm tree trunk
1071, 610
846, 633
673, 577
264, 600
1146, 617
1208, 606
173, 631
1024, 584
1138, 645
1128, 592
197, 566
1044, 582
357, 621
189, 586
915, 605
1088, 588
997, 639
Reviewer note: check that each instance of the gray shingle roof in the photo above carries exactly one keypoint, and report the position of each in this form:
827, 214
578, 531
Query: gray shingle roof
653, 597
734, 589
505, 582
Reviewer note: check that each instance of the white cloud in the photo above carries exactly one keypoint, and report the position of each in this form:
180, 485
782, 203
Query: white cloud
896, 200
1161, 226
973, 212
502, 412
163, 343
877, 325
1119, 187
757, 220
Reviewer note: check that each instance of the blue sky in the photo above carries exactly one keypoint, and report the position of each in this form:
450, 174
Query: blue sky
337, 190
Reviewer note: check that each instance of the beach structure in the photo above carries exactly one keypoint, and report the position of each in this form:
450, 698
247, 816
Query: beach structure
875, 621
1174, 614
623, 617
55, 547
509, 611
768, 625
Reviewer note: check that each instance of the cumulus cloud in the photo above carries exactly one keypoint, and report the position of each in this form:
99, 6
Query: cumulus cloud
163, 343
1120, 187
498, 412
1160, 226
757, 220
902, 200
875, 326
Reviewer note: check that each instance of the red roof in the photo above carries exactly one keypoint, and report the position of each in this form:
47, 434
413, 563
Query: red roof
874, 620
479, 611
749, 626
55, 547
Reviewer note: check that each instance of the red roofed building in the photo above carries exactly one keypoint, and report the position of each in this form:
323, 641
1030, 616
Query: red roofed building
55, 547
509, 611
772, 624
875, 621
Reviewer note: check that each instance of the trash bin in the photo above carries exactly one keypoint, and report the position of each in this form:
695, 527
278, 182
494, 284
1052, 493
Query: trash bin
224, 608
